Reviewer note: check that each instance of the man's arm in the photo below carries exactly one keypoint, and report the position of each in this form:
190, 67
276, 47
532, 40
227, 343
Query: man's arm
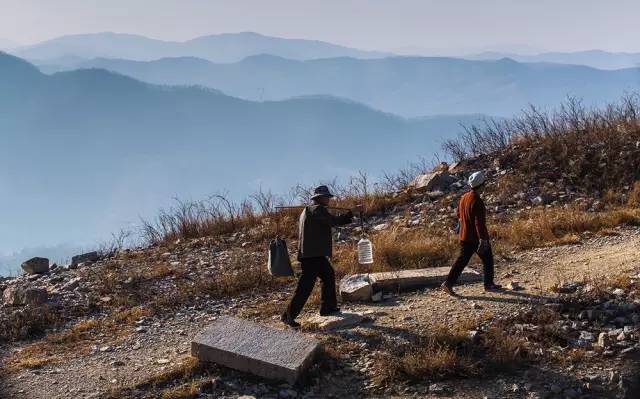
480, 220
322, 214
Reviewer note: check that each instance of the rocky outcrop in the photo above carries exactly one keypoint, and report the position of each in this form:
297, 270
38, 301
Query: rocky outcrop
89, 257
16, 296
436, 181
36, 266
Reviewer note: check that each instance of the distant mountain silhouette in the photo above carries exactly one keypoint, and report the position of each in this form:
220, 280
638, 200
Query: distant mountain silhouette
593, 58
228, 47
408, 86
83, 153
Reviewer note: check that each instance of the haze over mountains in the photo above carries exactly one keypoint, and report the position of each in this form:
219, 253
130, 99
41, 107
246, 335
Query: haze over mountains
86, 152
407, 86
228, 47
122, 130
593, 58
233, 47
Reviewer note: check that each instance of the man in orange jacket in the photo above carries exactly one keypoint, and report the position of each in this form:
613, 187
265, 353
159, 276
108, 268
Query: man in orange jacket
473, 236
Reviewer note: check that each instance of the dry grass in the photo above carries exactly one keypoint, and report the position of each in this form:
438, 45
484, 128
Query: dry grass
448, 351
591, 149
557, 226
633, 198
77, 340
218, 216
400, 250
182, 381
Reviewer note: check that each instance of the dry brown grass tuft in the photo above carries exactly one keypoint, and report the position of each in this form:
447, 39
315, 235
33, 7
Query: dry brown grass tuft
430, 359
75, 340
557, 226
633, 199
182, 381
28, 322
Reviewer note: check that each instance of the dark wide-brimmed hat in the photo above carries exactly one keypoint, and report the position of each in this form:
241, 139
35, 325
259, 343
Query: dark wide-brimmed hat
321, 191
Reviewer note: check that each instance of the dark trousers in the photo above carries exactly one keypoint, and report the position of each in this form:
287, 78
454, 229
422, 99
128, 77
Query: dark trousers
312, 268
467, 249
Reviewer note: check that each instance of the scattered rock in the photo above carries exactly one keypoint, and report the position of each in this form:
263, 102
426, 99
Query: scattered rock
568, 287
36, 266
604, 340
72, 284
514, 286
618, 292
89, 257
356, 288
436, 181
437, 389
337, 321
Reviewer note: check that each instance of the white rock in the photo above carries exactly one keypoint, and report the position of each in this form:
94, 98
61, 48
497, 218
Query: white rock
356, 288
381, 226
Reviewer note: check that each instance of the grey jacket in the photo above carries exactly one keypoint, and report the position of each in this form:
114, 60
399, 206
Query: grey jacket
315, 238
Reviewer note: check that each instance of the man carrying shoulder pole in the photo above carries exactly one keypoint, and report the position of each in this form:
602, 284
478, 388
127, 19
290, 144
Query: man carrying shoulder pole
473, 236
315, 247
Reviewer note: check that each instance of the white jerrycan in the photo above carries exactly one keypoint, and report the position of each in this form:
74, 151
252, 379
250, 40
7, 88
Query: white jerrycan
365, 251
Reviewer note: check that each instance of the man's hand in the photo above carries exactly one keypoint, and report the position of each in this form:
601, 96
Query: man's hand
484, 246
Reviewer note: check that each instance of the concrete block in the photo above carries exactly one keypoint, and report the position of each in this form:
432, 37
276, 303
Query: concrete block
359, 287
256, 349
407, 280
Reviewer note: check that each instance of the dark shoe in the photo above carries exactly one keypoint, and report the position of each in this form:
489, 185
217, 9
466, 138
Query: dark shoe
329, 312
449, 290
289, 322
493, 287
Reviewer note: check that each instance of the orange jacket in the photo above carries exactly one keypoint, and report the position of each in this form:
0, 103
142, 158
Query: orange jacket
472, 215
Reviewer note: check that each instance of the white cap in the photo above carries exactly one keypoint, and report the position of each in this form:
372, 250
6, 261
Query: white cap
476, 179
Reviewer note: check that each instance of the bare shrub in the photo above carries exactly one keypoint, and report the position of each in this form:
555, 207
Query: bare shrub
594, 149
27, 322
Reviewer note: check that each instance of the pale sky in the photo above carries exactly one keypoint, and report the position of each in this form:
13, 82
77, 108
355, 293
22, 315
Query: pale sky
456, 26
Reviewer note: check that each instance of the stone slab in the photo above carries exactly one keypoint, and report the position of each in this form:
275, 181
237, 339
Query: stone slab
337, 321
256, 349
407, 280
356, 287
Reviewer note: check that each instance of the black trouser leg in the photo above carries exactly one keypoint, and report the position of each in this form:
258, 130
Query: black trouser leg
487, 264
466, 252
328, 299
303, 290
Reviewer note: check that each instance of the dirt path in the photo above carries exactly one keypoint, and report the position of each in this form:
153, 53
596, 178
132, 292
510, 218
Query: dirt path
160, 344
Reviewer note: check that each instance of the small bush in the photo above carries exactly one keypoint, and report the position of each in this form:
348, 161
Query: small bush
28, 322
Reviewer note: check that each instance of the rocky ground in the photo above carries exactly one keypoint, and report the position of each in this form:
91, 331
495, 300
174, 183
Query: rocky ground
605, 331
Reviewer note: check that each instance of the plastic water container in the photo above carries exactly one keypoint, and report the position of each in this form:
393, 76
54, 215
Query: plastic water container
365, 252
